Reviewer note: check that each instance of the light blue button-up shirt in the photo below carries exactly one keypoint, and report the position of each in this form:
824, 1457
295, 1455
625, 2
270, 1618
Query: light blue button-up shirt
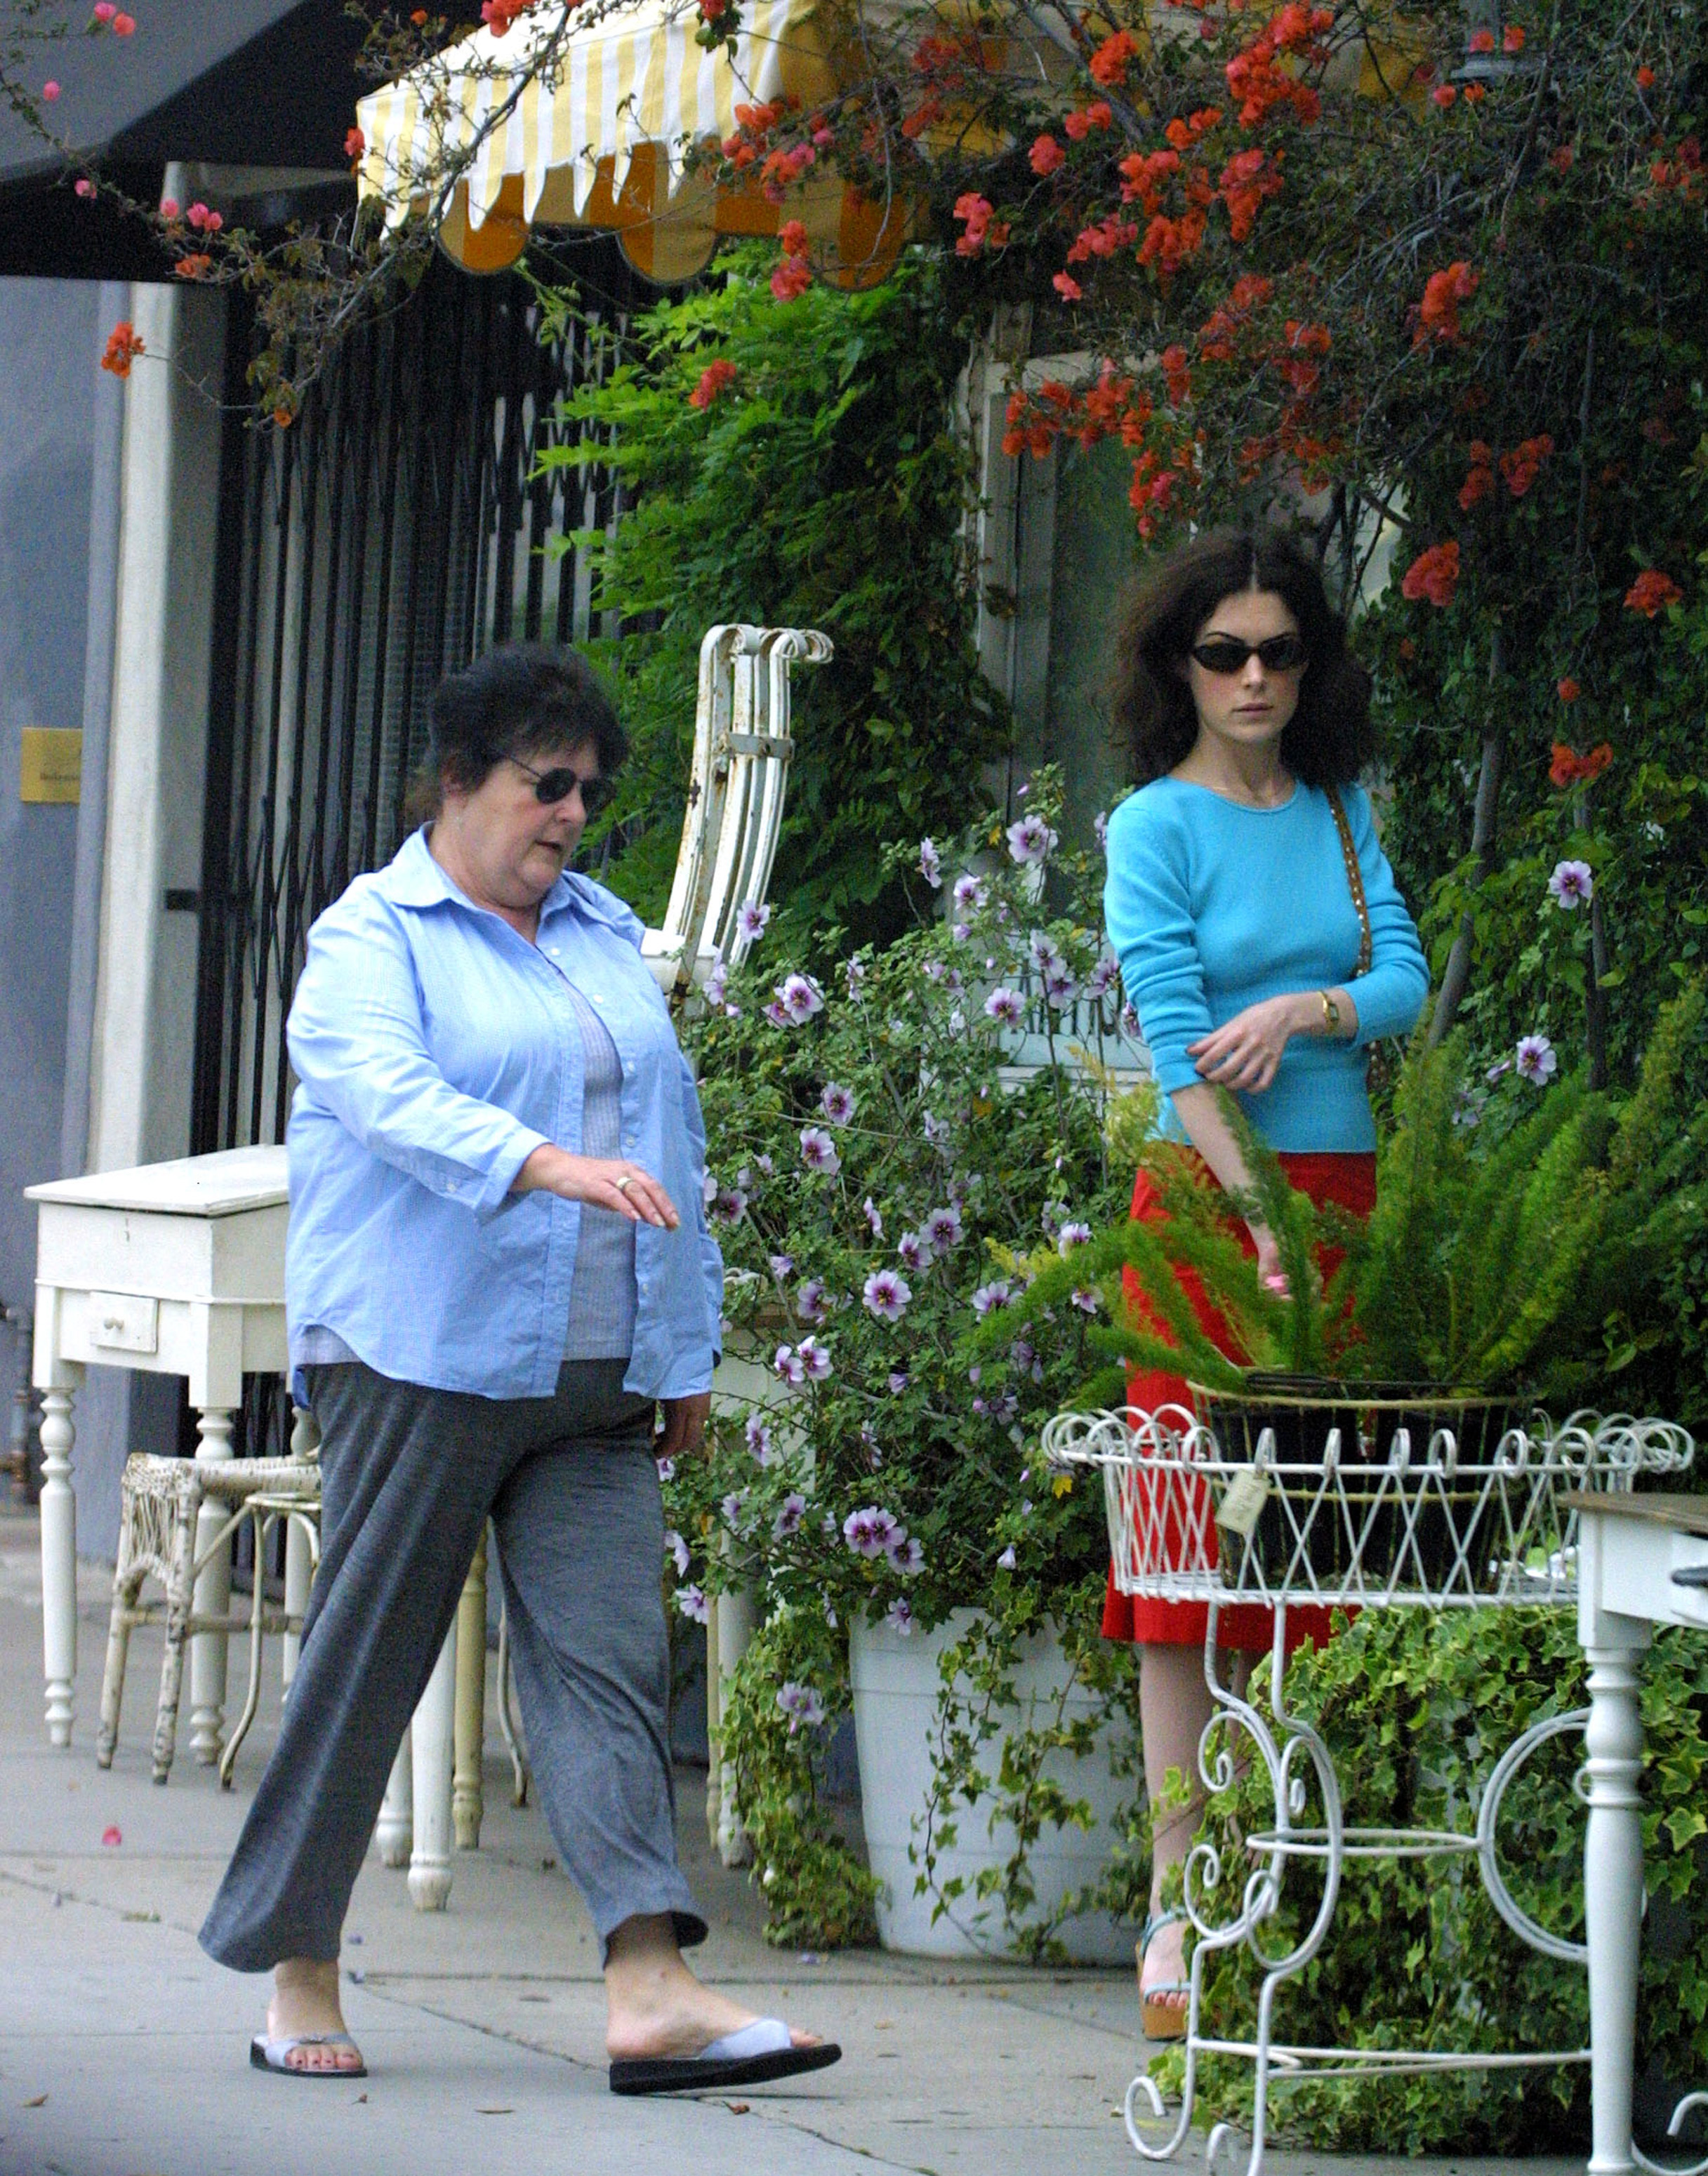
437, 1049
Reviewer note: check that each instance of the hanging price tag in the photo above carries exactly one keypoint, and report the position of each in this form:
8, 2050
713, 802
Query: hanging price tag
1239, 1509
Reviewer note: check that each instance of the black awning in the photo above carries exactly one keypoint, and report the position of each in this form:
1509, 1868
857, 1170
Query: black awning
242, 83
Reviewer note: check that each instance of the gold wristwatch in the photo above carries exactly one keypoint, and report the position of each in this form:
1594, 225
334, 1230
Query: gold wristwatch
1331, 1013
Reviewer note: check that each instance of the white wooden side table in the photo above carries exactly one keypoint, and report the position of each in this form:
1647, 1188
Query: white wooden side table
177, 1269
1642, 1561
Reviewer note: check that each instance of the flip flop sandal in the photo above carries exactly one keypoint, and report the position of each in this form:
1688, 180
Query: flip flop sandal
755, 2055
268, 2054
1159, 2019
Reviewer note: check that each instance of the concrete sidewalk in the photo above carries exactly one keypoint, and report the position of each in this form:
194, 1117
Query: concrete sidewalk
123, 2051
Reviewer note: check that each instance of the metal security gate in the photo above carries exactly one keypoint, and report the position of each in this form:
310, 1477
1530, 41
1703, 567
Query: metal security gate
391, 534
394, 531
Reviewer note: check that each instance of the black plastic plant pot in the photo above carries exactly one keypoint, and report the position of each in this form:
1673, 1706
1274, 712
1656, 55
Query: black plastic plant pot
1354, 1524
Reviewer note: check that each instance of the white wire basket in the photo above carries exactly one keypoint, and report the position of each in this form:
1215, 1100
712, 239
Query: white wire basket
1354, 1500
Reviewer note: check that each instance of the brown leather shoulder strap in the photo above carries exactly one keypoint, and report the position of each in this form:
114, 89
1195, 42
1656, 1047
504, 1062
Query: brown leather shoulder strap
1355, 878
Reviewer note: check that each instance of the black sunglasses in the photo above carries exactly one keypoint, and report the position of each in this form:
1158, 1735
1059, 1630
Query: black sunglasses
557, 785
1225, 653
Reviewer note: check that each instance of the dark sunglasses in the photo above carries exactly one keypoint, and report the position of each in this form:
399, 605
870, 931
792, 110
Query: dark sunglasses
1225, 653
550, 786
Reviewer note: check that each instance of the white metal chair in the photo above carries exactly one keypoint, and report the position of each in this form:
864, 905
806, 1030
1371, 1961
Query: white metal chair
742, 748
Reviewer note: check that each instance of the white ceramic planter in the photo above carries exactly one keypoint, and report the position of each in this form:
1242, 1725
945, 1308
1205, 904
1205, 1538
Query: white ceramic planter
895, 1686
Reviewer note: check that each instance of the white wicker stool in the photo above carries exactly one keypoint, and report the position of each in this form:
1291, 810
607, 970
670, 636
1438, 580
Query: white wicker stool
161, 1501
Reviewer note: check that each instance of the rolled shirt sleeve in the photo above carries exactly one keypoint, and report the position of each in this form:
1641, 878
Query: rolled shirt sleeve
357, 1044
1147, 909
1390, 997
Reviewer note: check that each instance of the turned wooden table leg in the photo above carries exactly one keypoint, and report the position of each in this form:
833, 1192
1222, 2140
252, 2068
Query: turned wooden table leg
1613, 1887
58, 1564
299, 1566
213, 1598
431, 1734
394, 1830
468, 1802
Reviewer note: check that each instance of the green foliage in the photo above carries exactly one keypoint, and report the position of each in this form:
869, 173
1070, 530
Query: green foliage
1531, 1250
886, 1423
1415, 1709
816, 1891
823, 487
1021, 1789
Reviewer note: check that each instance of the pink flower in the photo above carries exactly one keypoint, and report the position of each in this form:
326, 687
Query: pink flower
887, 1295
1030, 840
914, 1252
676, 1549
809, 1300
789, 1367
691, 1600
1535, 1060
789, 1516
930, 867
871, 1531
819, 1151
1006, 1007
969, 893
49, 90
898, 1617
803, 1705
989, 1298
942, 1230
750, 922
1572, 885
837, 1103
84, 186
815, 1361
759, 1436
797, 998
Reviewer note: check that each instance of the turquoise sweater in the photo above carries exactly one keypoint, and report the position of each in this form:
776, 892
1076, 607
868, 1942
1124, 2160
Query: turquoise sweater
1211, 907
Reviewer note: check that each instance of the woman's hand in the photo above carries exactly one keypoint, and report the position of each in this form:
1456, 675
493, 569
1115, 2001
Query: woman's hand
1245, 1052
684, 1424
602, 1182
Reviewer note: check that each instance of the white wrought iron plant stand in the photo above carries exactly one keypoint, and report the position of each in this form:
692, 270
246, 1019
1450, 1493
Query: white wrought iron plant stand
1413, 1527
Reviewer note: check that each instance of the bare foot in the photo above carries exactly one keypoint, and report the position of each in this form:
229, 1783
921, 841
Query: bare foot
1164, 1966
655, 2004
305, 2000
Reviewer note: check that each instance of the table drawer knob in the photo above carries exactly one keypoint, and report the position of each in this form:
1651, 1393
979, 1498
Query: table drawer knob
124, 1322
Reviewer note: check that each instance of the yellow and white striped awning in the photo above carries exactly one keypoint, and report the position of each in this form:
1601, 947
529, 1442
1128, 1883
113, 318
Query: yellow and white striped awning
602, 140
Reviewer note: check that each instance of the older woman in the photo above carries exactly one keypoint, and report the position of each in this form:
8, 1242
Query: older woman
499, 1269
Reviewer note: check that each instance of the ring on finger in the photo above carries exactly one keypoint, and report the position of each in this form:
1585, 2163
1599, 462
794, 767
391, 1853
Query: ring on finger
624, 1183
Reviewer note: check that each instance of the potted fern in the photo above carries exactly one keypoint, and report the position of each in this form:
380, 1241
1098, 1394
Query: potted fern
1511, 1262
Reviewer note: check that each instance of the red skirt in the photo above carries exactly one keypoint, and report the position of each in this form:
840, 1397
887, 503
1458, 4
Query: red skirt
1350, 1182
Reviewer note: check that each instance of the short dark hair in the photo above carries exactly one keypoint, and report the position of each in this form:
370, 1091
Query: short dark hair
1328, 740
516, 699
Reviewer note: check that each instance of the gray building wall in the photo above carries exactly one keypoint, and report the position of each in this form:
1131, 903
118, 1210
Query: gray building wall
50, 340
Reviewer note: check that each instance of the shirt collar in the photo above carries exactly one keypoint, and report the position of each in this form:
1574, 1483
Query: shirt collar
415, 879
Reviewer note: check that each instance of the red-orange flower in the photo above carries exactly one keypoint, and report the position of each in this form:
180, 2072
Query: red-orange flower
195, 266
1434, 574
122, 348
1568, 689
715, 378
1652, 593
1176, 375
1569, 767
1438, 313
1443, 94
1512, 39
1479, 482
355, 143
1046, 156
1482, 41
1109, 64
1646, 79
1521, 466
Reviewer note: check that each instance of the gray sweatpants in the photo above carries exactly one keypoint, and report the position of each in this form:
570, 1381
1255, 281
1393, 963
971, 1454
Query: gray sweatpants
409, 1476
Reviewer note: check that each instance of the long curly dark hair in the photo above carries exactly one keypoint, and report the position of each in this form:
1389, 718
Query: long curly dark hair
1328, 740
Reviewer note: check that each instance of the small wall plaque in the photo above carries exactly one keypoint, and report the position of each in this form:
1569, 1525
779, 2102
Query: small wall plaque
51, 765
